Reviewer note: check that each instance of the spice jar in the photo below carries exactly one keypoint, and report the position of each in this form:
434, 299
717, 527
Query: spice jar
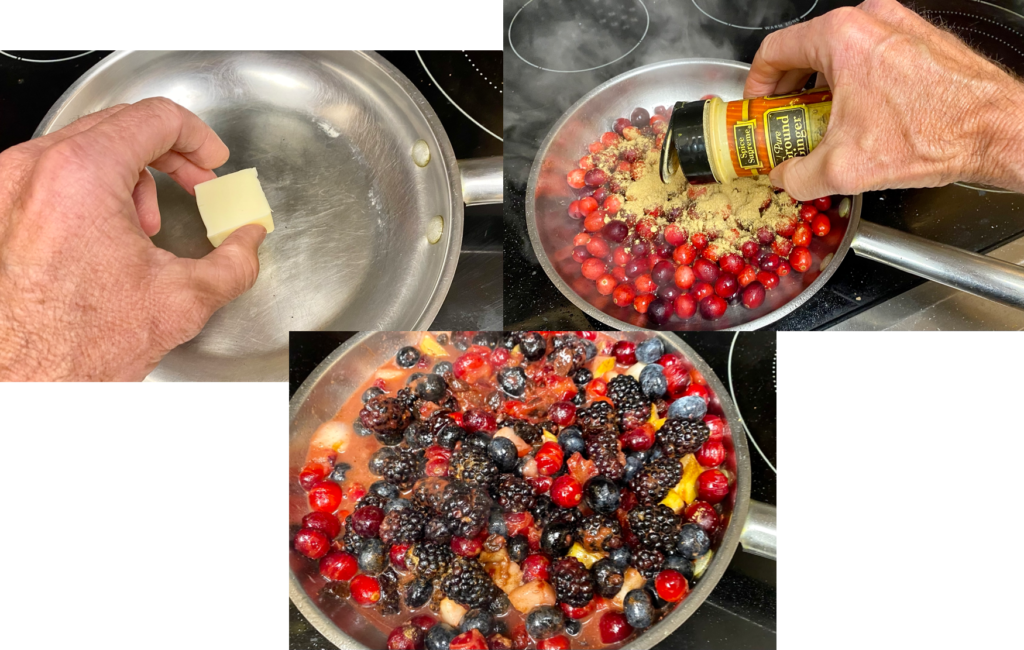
714, 140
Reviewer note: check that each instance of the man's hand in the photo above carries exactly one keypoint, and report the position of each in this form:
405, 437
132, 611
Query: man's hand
84, 293
913, 106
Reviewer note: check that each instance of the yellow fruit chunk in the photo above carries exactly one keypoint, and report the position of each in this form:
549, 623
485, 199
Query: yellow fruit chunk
654, 420
701, 564
430, 345
673, 500
687, 487
549, 437
585, 558
603, 364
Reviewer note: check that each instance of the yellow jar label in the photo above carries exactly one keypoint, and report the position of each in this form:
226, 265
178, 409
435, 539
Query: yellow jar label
746, 144
786, 132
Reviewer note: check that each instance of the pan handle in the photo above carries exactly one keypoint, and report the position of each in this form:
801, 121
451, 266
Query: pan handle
983, 276
758, 534
482, 180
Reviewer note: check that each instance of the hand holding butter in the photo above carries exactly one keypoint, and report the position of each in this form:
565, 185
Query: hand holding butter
232, 201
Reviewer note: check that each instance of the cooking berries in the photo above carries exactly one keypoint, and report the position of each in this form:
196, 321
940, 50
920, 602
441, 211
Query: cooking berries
549, 458
711, 454
512, 380
712, 307
652, 381
652, 483
572, 581
366, 520
650, 351
387, 417
602, 494
467, 583
544, 622
613, 627
687, 408
371, 557
712, 486
571, 441
753, 295
566, 491
504, 453
406, 637
608, 577
400, 468
407, 357
326, 523
466, 509
535, 567
532, 345
702, 514
312, 543
439, 637
365, 590
671, 585
557, 538
513, 493
430, 387
638, 609
471, 640
325, 496
473, 466
562, 413
693, 542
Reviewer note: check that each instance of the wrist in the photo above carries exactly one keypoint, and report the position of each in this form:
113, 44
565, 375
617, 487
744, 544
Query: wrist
999, 157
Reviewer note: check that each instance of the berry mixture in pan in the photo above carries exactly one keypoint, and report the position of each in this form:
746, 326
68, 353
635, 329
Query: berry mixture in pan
674, 250
518, 490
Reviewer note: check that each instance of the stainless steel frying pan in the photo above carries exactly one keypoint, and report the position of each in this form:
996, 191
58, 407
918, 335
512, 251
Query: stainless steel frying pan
752, 524
551, 230
331, 134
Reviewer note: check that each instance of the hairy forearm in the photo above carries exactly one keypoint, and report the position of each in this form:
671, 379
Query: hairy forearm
1001, 150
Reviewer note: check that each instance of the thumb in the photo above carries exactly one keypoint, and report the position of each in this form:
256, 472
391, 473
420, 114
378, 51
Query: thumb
231, 269
803, 177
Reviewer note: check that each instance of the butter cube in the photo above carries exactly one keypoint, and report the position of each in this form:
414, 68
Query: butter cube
232, 201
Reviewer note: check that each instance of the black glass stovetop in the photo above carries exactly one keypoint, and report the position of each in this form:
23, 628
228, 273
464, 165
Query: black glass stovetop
608, 37
463, 87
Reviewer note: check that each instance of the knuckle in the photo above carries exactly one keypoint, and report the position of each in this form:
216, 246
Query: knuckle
63, 157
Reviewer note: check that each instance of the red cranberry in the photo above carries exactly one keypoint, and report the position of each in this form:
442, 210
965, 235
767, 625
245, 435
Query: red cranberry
701, 290
713, 307
535, 567
685, 254
705, 270
824, 203
587, 205
698, 390
663, 249
669, 292
731, 263
787, 228
423, 621
312, 543
660, 311
636, 267
770, 262
671, 585
620, 124
765, 236
562, 413
800, 259
325, 522
782, 247
580, 254
579, 612
808, 212
467, 547
750, 249
338, 566
615, 230
712, 486
820, 225
613, 627
540, 484
406, 637
560, 642
624, 352
711, 454
325, 496
574, 210
471, 640
600, 194
397, 555
726, 286
479, 420
663, 272
624, 295
593, 268
768, 279
784, 269
365, 589
550, 455
686, 306
702, 514
699, 241
640, 117
753, 295
641, 248
639, 439
802, 235
566, 491
675, 235
366, 520
595, 178
311, 475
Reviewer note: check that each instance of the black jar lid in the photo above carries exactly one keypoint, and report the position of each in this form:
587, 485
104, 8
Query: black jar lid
685, 146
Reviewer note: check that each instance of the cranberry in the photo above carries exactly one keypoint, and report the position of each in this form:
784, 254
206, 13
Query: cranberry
731, 263
540, 484
325, 522
787, 228
701, 290
471, 367
406, 637
593, 268
821, 226
575, 178
615, 230
764, 235
338, 566
325, 496
726, 286
705, 270
685, 254
699, 241
645, 284
642, 302
800, 259
471, 640
716, 425
620, 124
711, 454
636, 267
566, 491
624, 352
397, 555
587, 205
782, 247
550, 456
560, 642
675, 235
747, 275
606, 284
467, 546
699, 390
660, 311
662, 111
580, 254
366, 520
802, 235
595, 178
750, 249
475, 420
684, 277
669, 292
770, 262
808, 212
613, 627
562, 413
535, 567
784, 269
663, 272
423, 621
639, 439
311, 475
312, 543
594, 222
712, 307
624, 295
671, 585
640, 117
574, 210
824, 203
712, 486
702, 514
640, 248
579, 612
686, 306
768, 279
753, 295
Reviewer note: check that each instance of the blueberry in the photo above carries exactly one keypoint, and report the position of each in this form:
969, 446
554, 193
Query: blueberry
370, 393
650, 350
442, 339
449, 435
579, 400
638, 609
688, 407
602, 495
361, 429
544, 622
582, 377
518, 548
571, 440
397, 504
379, 458
418, 435
657, 602
680, 564
652, 381
338, 474
533, 345
496, 523
431, 387
633, 464
693, 542
407, 357
556, 539
384, 490
439, 637
477, 619
608, 575
500, 605
656, 453
418, 592
479, 440
621, 557
512, 380
509, 340
488, 339
461, 340
442, 367
413, 377
371, 556
504, 453
589, 349
573, 627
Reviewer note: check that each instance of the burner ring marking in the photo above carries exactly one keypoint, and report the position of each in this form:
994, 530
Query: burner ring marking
766, 27
448, 97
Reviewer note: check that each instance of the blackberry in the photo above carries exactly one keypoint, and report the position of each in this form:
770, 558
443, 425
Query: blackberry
679, 437
597, 418
594, 530
604, 450
621, 387
436, 531
418, 592
408, 398
545, 512
572, 581
656, 527
390, 602
467, 583
568, 357
513, 493
633, 406
465, 509
352, 542
648, 562
582, 377
387, 417
473, 466
530, 433
372, 499
403, 526
429, 492
429, 561
402, 469
418, 435
652, 483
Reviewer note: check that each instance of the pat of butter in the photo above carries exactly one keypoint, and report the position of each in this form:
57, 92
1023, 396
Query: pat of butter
232, 201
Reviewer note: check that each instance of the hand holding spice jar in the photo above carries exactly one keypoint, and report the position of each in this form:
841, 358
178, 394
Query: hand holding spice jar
912, 105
